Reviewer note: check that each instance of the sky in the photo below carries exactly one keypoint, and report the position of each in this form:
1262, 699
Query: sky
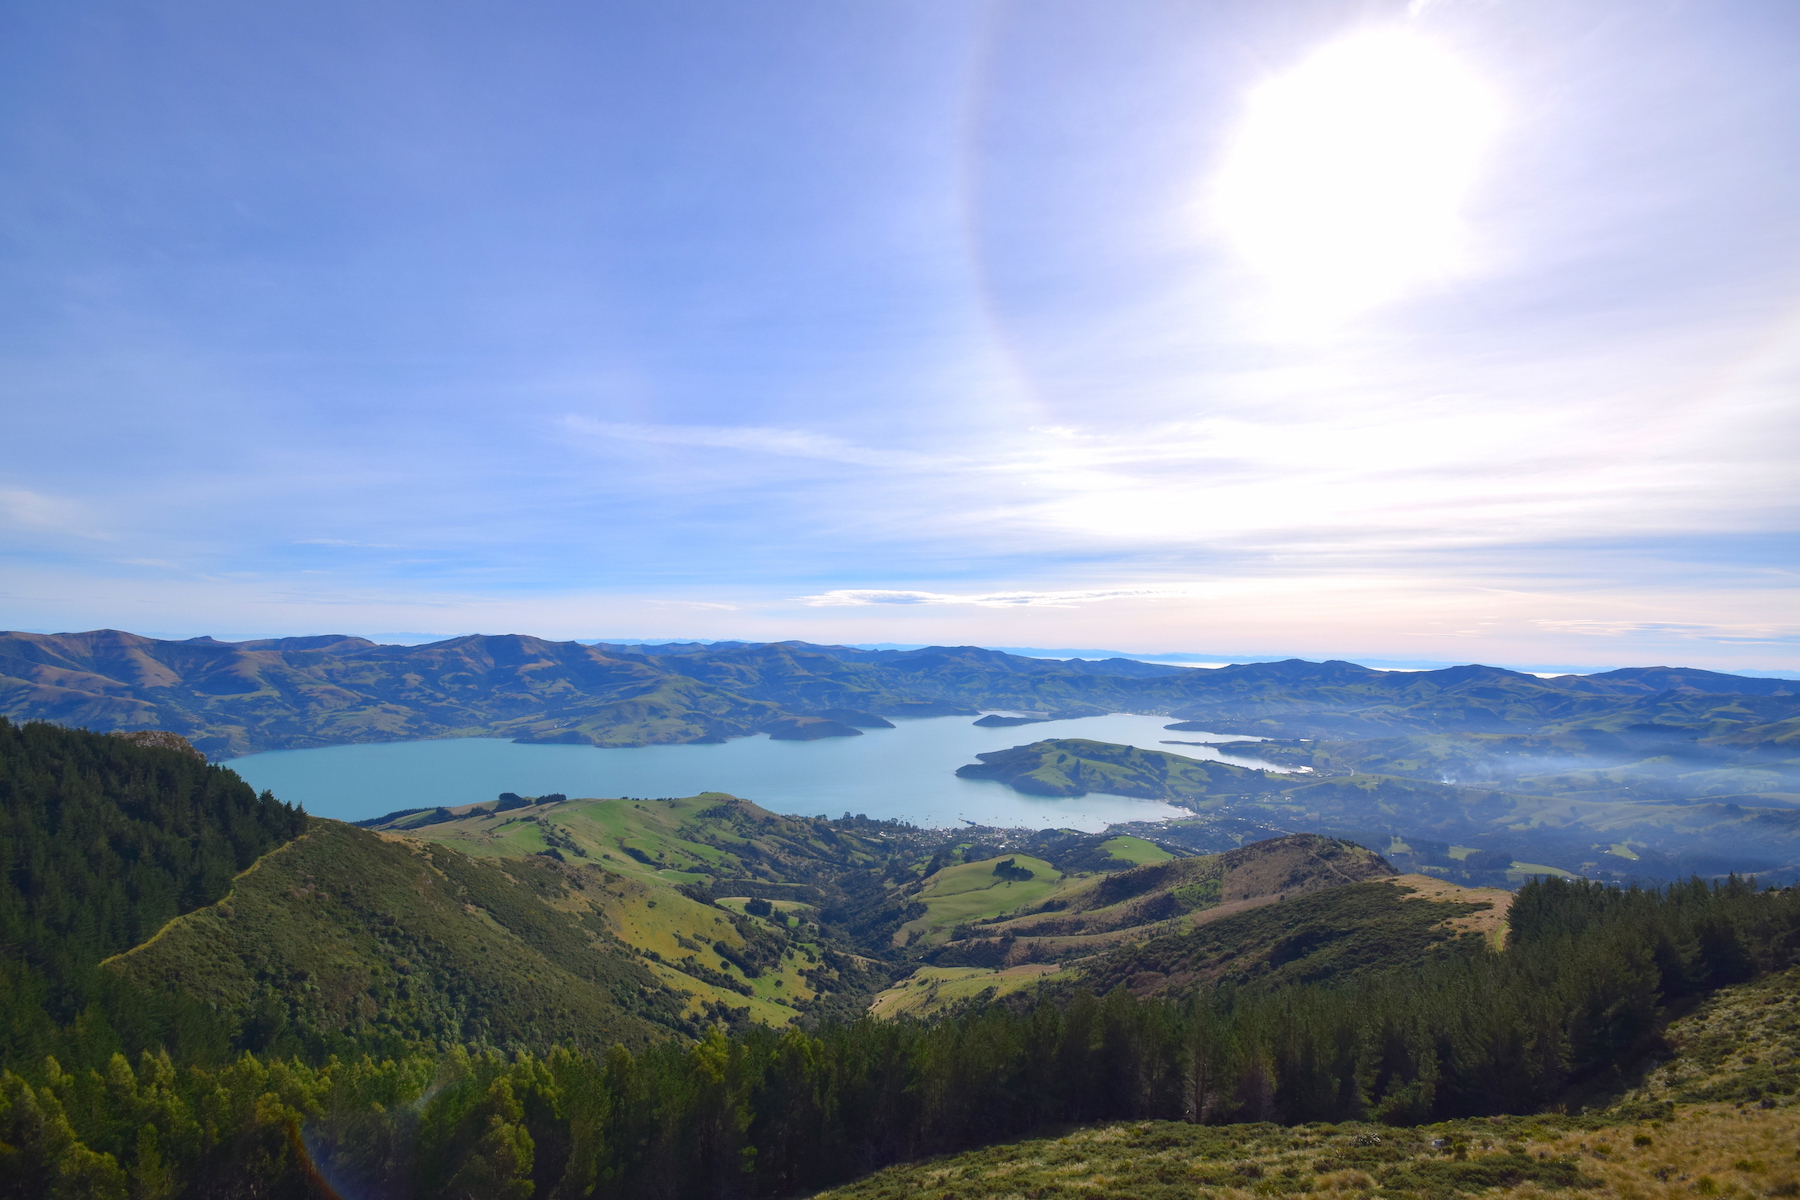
1457, 330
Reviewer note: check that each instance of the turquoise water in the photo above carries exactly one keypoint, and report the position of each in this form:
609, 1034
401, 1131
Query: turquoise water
906, 773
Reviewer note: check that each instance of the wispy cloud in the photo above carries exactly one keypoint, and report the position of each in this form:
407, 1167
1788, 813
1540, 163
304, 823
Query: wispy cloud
1750, 635
791, 443
857, 597
38, 512
345, 542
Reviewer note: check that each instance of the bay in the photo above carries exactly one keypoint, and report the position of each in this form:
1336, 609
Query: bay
906, 773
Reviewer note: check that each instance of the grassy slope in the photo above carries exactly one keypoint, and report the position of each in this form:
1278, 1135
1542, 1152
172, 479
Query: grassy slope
1324, 935
1132, 905
1732, 1130
1736, 1154
1334, 934
350, 934
1089, 921
1742, 1045
931, 990
972, 892
711, 839
1135, 850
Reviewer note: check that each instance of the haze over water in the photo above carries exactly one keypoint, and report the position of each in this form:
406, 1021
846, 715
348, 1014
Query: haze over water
906, 773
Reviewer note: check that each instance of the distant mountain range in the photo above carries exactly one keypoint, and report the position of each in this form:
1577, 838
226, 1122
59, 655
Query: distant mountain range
232, 698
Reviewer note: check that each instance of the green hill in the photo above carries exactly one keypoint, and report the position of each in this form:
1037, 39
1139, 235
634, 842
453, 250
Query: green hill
1103, 930
1381, 925
1077, 766
235, 697
1546, 1067
347, 941
103, 840
818, 950
1472, 758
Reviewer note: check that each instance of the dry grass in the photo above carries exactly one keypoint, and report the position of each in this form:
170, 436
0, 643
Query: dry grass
1490, 922
1741, 1045
1704, 1151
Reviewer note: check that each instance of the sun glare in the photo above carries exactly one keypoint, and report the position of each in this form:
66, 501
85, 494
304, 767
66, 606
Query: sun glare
1346, 183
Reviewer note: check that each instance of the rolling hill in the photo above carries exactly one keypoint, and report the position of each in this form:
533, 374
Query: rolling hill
1275, 910
347, 941
1077, 766
237, 697
532, 998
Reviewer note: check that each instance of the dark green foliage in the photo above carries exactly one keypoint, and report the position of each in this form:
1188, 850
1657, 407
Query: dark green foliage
346, 942
1009, 870
770, 1113
102, 842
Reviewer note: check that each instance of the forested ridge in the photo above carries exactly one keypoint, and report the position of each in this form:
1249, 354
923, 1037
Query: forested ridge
103, 840
1574, 1002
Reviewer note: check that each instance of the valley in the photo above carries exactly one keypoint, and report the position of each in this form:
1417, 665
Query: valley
655, 934
694, 996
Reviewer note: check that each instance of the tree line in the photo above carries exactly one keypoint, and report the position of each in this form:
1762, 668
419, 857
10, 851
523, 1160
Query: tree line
103, 840
1574, 1000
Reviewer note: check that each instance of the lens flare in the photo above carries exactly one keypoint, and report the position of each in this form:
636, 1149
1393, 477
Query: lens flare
1346, 183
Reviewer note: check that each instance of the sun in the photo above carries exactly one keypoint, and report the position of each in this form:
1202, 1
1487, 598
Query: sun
1346, 183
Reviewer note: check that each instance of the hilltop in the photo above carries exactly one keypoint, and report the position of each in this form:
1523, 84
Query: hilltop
1296, 909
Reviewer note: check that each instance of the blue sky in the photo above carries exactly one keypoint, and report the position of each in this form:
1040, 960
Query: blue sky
1458, 330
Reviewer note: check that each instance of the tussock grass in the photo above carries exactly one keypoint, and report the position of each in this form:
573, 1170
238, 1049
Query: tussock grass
1720, 1120
1711, 1150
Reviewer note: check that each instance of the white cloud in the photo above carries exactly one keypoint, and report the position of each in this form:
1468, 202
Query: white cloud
1755, 635
792, 443
36, 512
856, 597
